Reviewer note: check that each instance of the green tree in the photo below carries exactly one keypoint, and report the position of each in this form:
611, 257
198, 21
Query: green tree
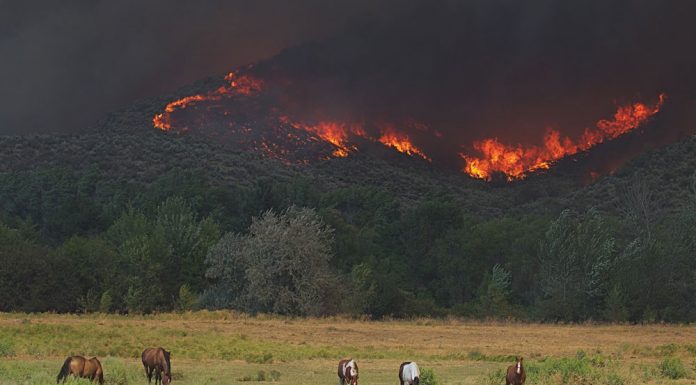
34, 278
615, 309
280, 266
494, 300
576, 257
188, 238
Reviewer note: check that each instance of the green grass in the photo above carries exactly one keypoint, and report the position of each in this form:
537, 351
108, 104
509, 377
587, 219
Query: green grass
224, 348
311, 372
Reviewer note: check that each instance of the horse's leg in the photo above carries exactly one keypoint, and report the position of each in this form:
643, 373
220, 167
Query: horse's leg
149, 374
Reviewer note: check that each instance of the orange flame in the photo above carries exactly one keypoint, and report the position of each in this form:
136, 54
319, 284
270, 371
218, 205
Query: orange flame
516, 161
237, 85
401, 142
335, 133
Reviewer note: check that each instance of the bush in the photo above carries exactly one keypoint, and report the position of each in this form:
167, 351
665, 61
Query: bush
672, 367
427, 377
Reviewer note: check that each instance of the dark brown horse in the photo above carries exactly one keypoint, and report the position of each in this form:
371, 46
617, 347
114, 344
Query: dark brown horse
81, 367
156, 360
515, 373
347, 372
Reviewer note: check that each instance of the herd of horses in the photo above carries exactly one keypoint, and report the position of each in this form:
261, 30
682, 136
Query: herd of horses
409, 374
156, 361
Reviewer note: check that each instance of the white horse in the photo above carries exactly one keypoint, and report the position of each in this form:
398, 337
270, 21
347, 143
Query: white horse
409, 373
347, 372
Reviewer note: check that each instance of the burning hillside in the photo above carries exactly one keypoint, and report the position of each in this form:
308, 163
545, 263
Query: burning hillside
445, 83
516, 161
280, 136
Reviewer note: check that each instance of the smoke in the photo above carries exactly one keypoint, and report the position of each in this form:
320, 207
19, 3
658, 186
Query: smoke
66, 63
470, 69
493, 68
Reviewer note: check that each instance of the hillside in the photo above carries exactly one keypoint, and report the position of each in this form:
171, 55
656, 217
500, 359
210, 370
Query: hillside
125, 145
143, 213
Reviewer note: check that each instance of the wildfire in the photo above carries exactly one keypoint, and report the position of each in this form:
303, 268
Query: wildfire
401, 142
237, 85
335, 133
516, 160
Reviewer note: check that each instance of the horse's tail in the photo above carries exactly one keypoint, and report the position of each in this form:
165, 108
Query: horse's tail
100, 371
65, 370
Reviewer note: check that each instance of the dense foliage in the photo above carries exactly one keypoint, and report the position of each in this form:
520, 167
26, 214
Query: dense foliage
90, 241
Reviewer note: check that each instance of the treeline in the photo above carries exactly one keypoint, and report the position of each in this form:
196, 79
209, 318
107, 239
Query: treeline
84, 241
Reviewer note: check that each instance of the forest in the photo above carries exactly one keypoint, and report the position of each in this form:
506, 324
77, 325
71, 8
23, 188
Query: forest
89, 241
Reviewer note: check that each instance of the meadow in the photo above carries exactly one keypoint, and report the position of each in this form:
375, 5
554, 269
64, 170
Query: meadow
231, 348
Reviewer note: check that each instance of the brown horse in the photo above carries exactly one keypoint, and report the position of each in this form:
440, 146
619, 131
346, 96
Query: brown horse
157, 360
515, 373
347, 372
81, 367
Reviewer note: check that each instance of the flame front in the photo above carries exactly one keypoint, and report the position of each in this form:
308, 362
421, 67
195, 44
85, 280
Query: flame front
335, 133
516, 160
236, 85
401, 142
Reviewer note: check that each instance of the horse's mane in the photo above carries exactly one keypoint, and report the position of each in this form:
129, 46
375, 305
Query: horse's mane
168, 369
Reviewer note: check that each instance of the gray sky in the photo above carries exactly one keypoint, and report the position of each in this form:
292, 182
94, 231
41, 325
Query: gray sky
64, 64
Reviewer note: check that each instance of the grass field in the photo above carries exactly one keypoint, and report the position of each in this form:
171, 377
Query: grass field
228, 348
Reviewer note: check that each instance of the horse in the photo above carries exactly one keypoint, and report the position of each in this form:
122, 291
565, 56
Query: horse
81, 367
409, 373
156, 360
347, 372
515, 373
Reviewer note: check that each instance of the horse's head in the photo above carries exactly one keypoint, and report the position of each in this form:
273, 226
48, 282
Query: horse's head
354, 374
166, 379
518, 368
416, 381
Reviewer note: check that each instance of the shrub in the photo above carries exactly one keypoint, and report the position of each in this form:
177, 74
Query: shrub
427, 377
672, 367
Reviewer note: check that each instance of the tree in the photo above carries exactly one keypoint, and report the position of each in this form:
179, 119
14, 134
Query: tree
281, 266
34, 278
189, 239
494, 300
576, 257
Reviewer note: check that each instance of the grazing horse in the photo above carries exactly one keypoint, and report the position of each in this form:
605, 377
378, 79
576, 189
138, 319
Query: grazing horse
409, 373
156, 360
347, 372
515, 373
81, 367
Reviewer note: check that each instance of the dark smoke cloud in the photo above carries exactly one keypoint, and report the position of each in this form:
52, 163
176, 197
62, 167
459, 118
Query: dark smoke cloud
472, 69
63, 64
502, 68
